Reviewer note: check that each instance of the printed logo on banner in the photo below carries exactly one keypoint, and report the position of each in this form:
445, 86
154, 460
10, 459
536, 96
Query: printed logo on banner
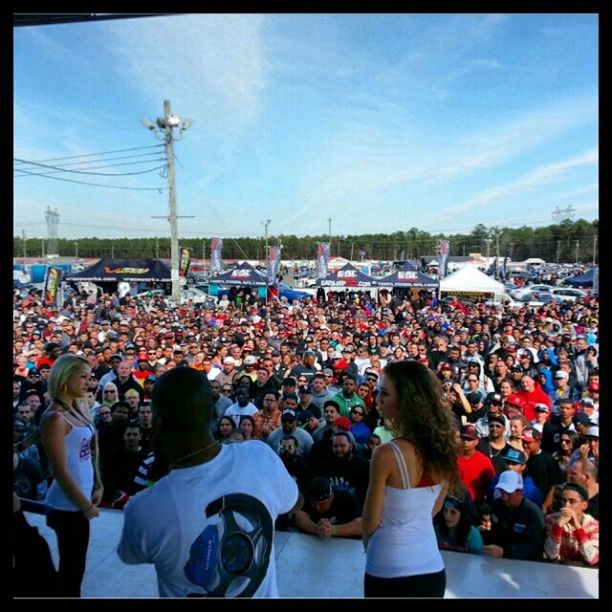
241, 274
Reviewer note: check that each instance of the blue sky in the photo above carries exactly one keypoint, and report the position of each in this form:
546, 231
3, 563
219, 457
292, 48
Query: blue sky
379, 122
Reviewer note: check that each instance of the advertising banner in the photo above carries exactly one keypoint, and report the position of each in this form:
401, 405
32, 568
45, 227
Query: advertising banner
322, 259
274, 258
216, 246
52, 280
184, 261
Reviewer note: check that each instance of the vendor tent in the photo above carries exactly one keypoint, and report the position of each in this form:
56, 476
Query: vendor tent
348, 277
581, 280
243, 275
407, 276
117, 270
470, 279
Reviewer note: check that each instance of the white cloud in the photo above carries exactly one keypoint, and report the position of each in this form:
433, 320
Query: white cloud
361, 165
536, 178
210, 66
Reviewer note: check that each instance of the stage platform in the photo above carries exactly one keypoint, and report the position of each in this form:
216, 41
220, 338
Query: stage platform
332, 569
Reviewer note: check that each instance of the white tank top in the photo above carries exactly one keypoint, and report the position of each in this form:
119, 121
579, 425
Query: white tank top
404, 543
79, 464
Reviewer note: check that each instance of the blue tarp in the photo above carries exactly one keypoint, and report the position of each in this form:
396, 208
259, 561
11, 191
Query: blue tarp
581, 280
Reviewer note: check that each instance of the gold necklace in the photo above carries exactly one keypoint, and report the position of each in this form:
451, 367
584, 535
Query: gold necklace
193, 454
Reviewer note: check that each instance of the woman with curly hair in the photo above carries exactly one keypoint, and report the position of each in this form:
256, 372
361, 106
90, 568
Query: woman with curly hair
409, 479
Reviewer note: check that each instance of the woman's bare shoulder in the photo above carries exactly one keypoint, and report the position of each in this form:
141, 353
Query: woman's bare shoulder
51, 417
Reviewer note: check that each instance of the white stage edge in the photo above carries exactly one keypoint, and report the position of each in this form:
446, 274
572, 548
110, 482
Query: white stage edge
340, 561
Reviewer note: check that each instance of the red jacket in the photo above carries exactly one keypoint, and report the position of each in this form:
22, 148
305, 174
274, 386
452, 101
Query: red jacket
537, 396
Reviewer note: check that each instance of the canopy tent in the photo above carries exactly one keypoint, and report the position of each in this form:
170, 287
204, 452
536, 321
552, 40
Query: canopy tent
470, 279
336, 263
348, 277
118, 270
581, 280
409, 277
243, 275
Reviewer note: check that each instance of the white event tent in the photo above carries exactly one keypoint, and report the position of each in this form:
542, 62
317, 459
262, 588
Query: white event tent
470, 279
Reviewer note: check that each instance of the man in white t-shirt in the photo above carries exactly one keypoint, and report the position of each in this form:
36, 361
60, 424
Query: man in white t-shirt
208, 525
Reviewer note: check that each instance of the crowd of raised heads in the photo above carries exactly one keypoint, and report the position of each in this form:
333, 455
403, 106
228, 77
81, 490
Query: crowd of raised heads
522, 385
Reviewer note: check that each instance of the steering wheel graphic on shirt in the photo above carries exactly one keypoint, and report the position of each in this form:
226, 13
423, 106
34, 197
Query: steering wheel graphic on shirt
230, 558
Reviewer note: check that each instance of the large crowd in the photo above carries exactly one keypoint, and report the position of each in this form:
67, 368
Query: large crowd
522, 385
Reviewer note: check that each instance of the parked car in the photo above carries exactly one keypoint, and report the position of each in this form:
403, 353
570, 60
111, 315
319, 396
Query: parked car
520, 291
538, 298
503, 299
198, 294
568, 294
284, 291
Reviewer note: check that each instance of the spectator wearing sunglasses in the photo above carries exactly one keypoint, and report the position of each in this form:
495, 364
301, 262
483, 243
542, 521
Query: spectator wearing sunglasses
361, 432
32, 382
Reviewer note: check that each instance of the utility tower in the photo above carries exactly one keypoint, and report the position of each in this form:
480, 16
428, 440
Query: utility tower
561, 214
163, 129
52, 219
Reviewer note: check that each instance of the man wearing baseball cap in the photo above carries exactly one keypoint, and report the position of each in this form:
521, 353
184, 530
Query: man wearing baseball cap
328, 513
516, 460
588, 407
289, 428
518, 526
542, 414
228, 373
558, 425
475, 468
542, 466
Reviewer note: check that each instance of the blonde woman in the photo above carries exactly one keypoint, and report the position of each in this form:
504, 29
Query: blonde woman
68, 435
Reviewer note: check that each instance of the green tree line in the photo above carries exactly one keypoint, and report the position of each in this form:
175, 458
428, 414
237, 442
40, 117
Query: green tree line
568, 241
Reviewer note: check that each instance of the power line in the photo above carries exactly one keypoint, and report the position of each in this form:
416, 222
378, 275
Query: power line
103, 153
147, 161
65, 180
40, 165
103, 160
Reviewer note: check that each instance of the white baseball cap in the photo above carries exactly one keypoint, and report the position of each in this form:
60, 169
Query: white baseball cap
510, 481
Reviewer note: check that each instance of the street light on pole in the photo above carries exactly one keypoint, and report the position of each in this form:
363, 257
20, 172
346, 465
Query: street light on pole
329, 224
163, 129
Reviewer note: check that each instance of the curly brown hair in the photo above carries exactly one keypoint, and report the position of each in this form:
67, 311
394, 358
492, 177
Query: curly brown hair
425, 420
